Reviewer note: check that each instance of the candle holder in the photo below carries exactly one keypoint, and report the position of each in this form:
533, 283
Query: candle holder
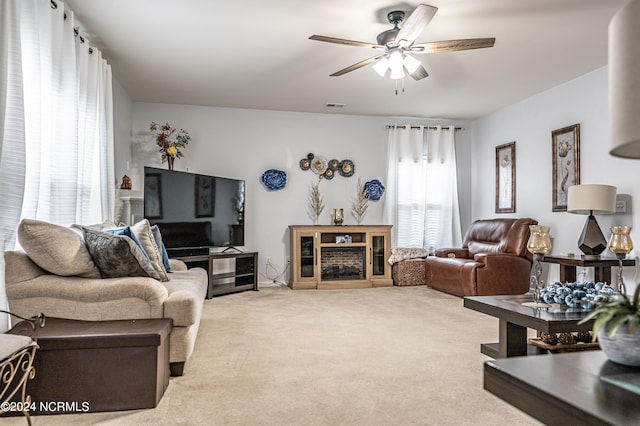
620, 244
539, 244
338, 216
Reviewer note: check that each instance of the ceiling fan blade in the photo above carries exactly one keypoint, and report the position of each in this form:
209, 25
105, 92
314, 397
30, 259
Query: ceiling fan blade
419, 74
345, 42
452, 45
415, 23
356, 66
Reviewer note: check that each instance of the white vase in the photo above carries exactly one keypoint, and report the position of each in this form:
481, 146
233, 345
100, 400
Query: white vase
623, 347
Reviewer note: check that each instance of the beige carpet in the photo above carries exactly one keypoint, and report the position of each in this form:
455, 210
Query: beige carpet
387, 356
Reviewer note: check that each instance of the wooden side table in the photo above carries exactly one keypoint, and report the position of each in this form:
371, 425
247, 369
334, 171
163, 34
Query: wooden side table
602, 266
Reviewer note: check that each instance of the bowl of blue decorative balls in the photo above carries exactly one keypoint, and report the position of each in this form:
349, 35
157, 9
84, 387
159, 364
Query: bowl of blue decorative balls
577, 295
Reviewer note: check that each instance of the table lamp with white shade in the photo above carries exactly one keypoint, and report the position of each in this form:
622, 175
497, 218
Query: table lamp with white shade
591, 199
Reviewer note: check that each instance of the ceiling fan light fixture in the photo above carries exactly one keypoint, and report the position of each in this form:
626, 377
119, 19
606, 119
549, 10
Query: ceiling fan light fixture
411, 63
395, 59
381, 66
396, 63
397, 73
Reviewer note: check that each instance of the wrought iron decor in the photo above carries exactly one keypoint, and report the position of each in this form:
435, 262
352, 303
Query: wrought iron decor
17, 369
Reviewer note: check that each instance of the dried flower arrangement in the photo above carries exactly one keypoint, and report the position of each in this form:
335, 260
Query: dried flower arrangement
316, 201
360, 203
170, 142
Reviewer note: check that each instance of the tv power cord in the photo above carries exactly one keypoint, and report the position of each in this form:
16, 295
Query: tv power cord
277, 279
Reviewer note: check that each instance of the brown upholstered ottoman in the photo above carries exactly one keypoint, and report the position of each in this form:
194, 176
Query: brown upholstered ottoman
409, 272
87, 366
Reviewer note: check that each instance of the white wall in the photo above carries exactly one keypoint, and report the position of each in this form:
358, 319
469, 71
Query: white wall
530, 123
122, 119
242, 144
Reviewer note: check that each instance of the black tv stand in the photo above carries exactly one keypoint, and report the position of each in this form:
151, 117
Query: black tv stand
227, 272
232, 272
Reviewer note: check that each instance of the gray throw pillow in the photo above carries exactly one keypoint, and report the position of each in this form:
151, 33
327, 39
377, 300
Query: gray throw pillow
117, 256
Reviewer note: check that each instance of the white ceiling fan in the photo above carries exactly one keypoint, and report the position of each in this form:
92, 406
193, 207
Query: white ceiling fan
397, 45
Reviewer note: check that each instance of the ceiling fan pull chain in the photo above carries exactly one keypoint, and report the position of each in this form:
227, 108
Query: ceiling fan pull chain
402, 87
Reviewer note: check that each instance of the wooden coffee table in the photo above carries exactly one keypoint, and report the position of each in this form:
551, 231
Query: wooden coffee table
574, 388
515, 318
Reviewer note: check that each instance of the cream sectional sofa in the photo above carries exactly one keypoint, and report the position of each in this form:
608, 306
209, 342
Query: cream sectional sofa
84, 296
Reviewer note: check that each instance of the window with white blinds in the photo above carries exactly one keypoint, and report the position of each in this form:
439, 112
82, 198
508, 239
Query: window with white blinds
422, 201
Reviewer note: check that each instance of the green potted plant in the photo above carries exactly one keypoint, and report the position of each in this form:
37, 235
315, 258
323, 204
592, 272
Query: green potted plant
617, 328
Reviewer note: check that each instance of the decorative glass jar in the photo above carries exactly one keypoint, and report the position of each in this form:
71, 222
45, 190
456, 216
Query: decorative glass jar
338, 216
620, 242
539, 240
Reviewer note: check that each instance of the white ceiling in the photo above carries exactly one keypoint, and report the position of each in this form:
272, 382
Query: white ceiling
256, 53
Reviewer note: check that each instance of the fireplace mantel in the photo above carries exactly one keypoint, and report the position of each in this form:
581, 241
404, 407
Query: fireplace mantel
340, 257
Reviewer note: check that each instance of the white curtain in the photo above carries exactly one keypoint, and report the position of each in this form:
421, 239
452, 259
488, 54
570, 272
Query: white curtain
56, 117
422, 189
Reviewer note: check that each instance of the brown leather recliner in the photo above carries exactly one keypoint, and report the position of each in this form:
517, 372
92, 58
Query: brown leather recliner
493, 260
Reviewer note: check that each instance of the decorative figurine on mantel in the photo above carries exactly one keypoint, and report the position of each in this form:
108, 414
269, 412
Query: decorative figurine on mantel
126, 182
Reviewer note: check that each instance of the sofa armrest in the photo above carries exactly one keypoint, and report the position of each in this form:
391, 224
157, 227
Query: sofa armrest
187, 291
183, 308
502, 273
177, 265
453, 252
496, 258
19, 267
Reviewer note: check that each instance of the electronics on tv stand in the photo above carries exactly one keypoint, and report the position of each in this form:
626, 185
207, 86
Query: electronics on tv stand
188, 251
238, 250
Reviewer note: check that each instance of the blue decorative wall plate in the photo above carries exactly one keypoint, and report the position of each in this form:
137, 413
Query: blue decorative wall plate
374, 189
274, 180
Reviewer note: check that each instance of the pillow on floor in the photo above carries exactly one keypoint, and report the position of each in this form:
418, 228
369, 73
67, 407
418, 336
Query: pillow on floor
142, 230
118, 255
56, 249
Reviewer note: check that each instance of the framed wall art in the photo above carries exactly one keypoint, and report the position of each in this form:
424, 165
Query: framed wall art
506, 178
565, 146
153, 196
205, 196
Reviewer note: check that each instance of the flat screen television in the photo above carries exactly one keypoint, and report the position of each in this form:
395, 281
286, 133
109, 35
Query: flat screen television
194, 211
